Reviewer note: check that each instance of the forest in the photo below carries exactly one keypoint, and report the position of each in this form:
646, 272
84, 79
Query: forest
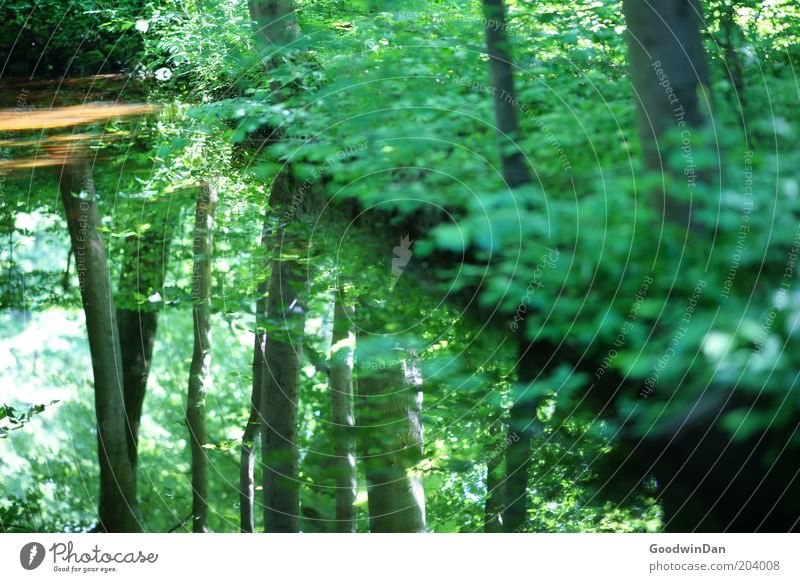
501, 266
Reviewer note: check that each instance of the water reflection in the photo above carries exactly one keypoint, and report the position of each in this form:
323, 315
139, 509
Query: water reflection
51, 122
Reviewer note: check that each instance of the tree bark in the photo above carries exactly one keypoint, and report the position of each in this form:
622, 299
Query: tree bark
137, 333
515, 173
277, 25
284, 352
252, 429
201, 357
518, 463
275, 20
143, 270
344, 445
665, 35
501, 73
389, 426
495, 485
279, 429
670, 77
523, 427
733, 64
117, 507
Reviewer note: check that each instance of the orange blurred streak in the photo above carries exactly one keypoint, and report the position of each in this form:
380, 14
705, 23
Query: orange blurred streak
66, 150
33, 163
16, 119
26, 83
17, 143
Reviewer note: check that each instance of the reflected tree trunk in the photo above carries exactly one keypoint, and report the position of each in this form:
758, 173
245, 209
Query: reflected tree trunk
275, 20
670, 78
199, 379
117, 507
501, 73
389, 426
143, 270
344, 445
515, 174
284, 352
276, 25
252, 429
495, 484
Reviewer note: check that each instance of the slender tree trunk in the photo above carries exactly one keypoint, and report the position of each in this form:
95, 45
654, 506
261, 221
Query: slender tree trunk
253, 428
117, 508
344, 445
251, 432
201, 357
284, 352
277, 25
523, 427
733, 64
515, 173
137, 333
495, 484
389, 426
518, 463
279, 430
143, 269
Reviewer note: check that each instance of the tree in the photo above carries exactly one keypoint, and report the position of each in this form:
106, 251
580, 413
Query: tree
515, 175
284, 353
389, 380
495, 485
275, 21
117, 510
501, 73
252, 429
199, 379
671, 82
343, 414
144, 265
389, 408
277, 25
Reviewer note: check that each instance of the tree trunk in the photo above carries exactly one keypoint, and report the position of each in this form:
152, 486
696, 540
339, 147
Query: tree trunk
670, 78
518, 462
284, 352
201, 356
279, 429
277, 25
143, 270
137, 333
344, 445
251, 432
515, 173
515, 170
275, 20
523, 426
495, 484
668, 67
389, 426
733, 64
117, 507
253, 428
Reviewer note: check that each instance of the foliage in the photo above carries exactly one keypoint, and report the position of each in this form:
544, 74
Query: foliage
389, 106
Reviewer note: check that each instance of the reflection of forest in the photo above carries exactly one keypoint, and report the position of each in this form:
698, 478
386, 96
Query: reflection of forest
330, 267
